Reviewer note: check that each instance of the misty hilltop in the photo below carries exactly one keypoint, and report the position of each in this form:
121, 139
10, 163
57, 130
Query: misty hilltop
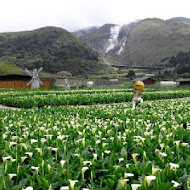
52, 48
179, 19
85, 31
149, 42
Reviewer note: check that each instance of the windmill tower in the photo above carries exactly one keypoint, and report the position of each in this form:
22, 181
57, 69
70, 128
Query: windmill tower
67, 86
35, 81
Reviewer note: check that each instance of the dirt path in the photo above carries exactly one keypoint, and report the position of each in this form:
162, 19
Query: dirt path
6, 107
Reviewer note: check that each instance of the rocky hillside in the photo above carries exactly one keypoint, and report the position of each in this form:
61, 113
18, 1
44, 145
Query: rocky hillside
149, 42
110, 39
53, 48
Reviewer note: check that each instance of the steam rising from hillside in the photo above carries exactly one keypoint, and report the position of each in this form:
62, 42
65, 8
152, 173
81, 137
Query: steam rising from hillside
115, 42
122, 45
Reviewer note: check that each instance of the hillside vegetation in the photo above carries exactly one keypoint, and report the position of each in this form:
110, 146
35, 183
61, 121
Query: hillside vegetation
153, 41
181, 62
99, 39
7, 69
53, 48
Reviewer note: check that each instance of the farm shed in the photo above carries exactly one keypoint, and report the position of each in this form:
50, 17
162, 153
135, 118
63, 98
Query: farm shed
90, 84
184, 81
169, 83
145, 80
184, 75
20, 81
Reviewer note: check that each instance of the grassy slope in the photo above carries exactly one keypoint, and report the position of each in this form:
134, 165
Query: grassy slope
6, 69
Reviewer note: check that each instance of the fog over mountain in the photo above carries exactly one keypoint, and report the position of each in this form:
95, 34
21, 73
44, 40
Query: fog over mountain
86, 31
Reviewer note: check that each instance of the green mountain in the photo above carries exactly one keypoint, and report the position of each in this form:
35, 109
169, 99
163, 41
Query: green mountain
99, 38
153, 42
52, 48
149, 42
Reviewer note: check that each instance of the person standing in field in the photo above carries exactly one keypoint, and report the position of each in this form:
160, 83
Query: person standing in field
138, 88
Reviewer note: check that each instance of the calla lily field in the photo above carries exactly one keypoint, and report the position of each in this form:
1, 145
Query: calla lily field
93, 140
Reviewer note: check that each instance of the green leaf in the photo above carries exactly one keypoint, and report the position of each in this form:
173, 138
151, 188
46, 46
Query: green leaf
123, 152
110, 182
21, 184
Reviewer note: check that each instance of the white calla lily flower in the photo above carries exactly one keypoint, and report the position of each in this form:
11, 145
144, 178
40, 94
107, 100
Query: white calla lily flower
149, 179
83, 171
28, 188
6, 158
175, 183
35, 168
29, 154
33, 141
11, 176
72, 183
135, 186
64, 188
173, 166
126, 175
62, 163
123, 182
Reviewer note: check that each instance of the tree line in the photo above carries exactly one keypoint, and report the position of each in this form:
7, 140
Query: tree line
181, 61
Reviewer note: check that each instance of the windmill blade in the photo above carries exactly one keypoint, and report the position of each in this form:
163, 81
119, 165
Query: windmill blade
40, 81
29, 82
40, 69
28, 72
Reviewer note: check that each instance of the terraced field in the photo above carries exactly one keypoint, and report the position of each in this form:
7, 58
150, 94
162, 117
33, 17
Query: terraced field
51, 146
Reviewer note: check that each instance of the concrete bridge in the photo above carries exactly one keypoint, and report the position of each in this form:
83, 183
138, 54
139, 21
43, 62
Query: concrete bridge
138, 67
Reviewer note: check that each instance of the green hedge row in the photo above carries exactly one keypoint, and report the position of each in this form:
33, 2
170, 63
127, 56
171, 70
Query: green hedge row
84, 99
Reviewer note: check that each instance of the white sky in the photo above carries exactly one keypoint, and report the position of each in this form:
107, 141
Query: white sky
18, 15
